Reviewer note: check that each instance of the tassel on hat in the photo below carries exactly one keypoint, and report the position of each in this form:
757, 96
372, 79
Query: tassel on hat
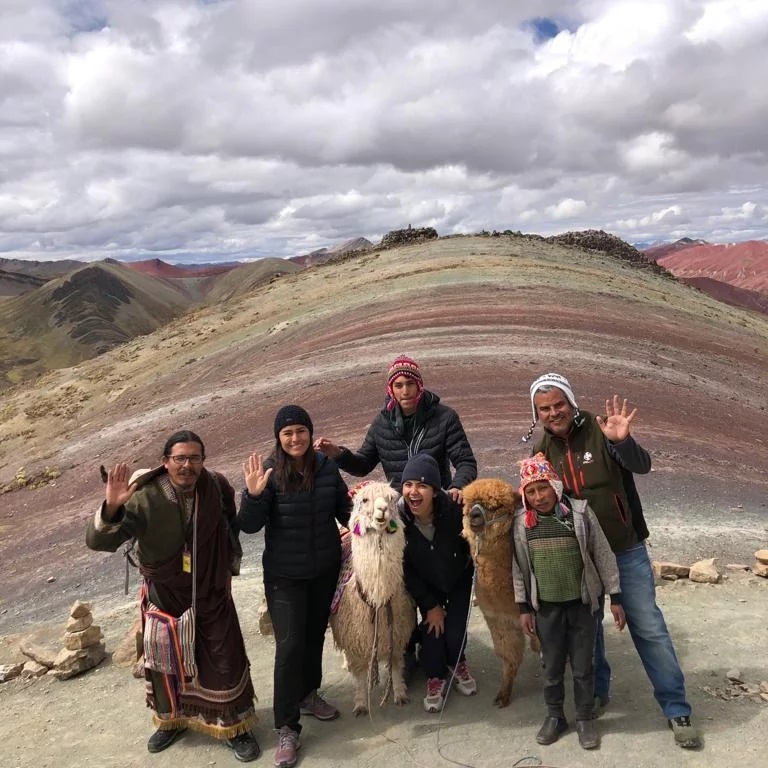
534, 469
549, 380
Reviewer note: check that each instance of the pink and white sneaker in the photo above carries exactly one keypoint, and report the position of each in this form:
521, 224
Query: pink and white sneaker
463, 680
435, 698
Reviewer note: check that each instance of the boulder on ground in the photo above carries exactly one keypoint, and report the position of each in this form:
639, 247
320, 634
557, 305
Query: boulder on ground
760, 569
10, 671
70, 662
705, 571
40, 653
130, 648
661, 570
762, 556
33, 669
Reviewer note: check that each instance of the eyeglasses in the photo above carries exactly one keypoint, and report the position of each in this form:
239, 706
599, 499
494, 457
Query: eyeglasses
181, 459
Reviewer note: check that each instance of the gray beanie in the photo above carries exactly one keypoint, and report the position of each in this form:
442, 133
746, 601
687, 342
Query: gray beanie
423, 469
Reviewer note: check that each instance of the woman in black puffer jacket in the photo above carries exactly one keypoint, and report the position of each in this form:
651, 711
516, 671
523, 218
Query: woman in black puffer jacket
298, 496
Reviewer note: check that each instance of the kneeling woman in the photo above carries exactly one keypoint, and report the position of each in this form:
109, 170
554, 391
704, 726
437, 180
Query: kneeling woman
298, 494
438, 573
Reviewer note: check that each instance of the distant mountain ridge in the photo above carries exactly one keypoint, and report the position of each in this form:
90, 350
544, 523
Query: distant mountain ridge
742, 265
321, 255
56, 322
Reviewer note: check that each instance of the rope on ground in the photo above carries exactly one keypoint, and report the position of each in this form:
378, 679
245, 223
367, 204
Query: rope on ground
537, 762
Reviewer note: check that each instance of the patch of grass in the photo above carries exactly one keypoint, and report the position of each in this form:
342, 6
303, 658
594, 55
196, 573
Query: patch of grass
8, 412
22, 479
65, 403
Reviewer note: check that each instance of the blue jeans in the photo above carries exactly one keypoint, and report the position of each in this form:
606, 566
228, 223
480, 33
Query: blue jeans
649, 634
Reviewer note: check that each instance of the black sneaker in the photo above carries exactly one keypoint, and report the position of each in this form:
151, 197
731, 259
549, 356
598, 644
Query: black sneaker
686, 733
245, 747
161, 740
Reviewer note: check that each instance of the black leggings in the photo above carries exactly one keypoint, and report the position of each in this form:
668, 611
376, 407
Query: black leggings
299, 609
437, 653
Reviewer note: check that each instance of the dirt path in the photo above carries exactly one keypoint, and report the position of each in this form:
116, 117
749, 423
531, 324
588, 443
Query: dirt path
99, 719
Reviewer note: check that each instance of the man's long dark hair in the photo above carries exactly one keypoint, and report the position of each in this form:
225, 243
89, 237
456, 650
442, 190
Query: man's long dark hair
290, 479
183, 436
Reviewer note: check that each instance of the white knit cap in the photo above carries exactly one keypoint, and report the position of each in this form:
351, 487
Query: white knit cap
552, 380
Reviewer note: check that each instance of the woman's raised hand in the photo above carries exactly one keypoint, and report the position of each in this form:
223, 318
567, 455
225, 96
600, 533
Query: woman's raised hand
256, 476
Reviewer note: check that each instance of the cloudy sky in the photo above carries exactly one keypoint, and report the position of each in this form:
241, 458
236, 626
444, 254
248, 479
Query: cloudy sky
194, 130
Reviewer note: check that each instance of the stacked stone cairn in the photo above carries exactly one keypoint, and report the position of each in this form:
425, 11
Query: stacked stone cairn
83, 644
83, 650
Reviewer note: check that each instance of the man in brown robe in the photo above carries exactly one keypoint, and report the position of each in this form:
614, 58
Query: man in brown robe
180, 515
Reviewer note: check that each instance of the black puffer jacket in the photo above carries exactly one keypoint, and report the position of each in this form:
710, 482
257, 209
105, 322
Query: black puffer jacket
301, 540
432, 569
437, 430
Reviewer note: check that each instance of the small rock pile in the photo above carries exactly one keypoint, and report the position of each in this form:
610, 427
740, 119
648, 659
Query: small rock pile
598, 240
735, 687
760, 568
703, 571
83, 650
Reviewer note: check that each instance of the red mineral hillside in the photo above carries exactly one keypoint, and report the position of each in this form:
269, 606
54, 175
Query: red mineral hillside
743, 265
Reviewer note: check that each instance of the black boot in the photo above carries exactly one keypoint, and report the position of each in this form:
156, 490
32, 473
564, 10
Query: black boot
551, 730
587, 732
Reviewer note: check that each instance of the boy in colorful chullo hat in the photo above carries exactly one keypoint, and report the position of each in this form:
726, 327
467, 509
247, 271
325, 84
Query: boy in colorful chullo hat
563, 565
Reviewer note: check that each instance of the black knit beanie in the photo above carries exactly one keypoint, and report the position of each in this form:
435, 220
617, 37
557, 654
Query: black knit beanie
289, 415
423, 469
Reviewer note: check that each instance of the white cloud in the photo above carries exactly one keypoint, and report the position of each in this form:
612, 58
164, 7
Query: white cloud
257, 127
566, 209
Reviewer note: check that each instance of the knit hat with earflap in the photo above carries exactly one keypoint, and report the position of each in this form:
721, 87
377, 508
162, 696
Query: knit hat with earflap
403, 366
550, 380
423, 469
291, 415
534, 469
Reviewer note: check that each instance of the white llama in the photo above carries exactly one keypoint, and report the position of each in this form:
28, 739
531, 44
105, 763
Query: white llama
375, 615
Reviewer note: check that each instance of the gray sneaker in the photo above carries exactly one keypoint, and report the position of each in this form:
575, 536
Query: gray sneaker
287, 746
686, 733
314, 704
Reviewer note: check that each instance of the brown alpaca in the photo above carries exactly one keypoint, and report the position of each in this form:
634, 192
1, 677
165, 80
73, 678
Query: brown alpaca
488, 508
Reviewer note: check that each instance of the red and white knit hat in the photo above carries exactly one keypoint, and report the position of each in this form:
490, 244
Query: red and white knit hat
535, 469
403, 366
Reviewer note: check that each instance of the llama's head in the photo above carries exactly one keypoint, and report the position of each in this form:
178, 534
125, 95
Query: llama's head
489, 504
374, 510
